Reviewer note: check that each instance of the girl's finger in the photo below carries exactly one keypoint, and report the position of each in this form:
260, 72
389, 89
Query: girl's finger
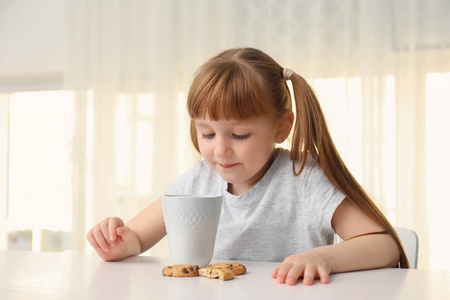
309, 274
282, 272
275, 272
91, 239
105, 231
324, 275
125, 233
113, 224
100, 239
294, 273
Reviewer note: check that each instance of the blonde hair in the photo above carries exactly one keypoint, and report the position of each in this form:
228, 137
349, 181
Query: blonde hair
243, 83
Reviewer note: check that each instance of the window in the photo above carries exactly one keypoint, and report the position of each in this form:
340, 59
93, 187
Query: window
38, 165
438, 165
37, 134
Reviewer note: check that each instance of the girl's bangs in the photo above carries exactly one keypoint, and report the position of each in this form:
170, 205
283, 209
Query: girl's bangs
229, 93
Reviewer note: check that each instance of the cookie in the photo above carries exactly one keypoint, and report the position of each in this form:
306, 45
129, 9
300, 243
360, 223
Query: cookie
180, 271
236, 268
222, 274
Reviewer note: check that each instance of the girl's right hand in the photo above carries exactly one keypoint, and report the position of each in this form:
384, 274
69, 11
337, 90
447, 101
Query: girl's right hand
112, 240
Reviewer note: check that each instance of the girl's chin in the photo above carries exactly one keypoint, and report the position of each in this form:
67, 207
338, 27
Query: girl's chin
230, 178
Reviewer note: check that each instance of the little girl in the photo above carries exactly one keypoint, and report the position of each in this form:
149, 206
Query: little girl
279, 205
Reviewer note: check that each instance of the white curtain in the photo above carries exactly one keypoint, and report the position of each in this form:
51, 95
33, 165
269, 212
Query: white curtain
371, 63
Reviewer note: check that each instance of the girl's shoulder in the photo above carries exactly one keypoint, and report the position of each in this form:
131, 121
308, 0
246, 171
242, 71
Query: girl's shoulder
284, 157
311, 175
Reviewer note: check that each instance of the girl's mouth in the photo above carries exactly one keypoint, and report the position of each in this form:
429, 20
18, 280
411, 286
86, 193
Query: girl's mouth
227, 166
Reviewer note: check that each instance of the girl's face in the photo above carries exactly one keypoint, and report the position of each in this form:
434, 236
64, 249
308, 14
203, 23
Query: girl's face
240, 151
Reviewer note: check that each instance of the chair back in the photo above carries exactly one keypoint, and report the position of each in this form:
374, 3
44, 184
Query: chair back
410, 243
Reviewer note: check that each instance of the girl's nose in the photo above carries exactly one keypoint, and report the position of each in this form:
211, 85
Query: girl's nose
222, 148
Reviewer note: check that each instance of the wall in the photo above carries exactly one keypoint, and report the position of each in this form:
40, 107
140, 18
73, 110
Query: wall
33, 38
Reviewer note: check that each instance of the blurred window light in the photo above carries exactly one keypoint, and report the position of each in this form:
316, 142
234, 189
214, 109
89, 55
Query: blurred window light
438, 164
39, 162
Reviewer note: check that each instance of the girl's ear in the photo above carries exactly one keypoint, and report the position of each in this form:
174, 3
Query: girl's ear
284, 127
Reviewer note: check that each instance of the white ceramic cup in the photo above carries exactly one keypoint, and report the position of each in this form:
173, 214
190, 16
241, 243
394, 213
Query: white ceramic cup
191, 225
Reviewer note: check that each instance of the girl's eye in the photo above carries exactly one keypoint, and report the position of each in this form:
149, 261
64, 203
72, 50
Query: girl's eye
208, 136
241, 137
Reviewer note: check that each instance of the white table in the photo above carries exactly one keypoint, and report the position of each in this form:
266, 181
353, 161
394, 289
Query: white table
45, 275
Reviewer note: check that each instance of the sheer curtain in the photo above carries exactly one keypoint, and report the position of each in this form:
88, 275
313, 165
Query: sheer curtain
380, 69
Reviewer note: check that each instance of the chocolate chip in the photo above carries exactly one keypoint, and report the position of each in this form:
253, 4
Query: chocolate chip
185, 271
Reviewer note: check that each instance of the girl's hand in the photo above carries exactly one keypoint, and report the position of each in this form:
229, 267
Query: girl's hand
309, 265
112, 240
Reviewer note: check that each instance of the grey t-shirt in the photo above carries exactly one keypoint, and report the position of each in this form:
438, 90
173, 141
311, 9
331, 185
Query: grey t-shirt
279, 216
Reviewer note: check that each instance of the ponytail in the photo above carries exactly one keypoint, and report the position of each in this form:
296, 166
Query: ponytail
311, 137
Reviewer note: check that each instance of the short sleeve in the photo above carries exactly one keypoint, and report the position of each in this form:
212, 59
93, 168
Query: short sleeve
183, 185
325, 198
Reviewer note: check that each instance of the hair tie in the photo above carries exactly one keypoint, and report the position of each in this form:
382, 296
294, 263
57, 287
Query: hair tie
287, 73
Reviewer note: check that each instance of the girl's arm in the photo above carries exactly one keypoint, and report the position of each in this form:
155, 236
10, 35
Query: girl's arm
149, 225
366, 252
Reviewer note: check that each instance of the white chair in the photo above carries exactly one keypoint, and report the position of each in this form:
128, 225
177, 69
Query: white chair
410, 243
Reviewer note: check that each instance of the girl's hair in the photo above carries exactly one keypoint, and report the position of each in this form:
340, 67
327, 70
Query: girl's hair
240, 84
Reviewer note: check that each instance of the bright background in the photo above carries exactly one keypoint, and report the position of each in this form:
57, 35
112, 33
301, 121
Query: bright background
92, 104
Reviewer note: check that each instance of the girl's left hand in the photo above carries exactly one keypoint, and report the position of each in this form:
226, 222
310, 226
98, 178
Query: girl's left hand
309, 265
